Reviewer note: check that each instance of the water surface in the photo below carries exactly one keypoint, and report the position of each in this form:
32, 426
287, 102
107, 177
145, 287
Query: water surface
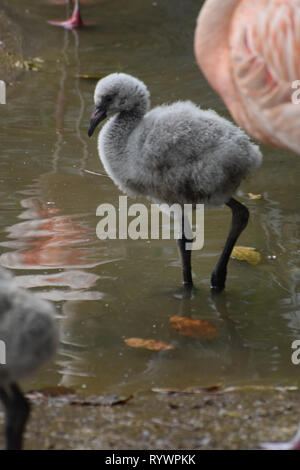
106, 291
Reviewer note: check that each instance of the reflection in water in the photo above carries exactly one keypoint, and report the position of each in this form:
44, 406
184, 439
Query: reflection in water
61, 100
52, 241
130, 370
73, 279
281, 231
81, 109
60, 105
49, 240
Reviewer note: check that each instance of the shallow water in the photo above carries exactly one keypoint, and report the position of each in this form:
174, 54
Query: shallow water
107, 291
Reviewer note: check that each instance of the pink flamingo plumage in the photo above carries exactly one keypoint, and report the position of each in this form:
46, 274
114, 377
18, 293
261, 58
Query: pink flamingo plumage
249, 51
74, 22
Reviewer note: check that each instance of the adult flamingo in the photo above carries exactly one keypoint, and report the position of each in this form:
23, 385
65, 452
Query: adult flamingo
249, 53
74, 22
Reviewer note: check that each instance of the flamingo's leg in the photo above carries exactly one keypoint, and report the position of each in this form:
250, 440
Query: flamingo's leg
185, 253
17, 411
240, 216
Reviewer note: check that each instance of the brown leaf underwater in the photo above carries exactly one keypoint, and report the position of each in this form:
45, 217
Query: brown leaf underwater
193, 327
151, 344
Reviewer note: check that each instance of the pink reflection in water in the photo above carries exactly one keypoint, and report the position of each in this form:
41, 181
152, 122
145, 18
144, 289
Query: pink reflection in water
52, 241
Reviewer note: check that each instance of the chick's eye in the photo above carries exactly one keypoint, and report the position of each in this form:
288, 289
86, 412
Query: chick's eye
109, 99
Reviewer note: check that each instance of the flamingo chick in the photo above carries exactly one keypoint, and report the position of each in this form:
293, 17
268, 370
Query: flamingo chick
74, 22
175, 153
249, 53
29, 335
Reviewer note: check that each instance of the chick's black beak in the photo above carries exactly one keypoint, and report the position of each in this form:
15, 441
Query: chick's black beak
98, 115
